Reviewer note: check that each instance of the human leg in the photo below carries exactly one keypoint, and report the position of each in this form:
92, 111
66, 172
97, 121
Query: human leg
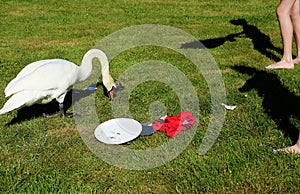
295, 148
283, 11
295, 16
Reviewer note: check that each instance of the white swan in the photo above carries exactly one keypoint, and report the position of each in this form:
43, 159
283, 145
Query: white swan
42, 81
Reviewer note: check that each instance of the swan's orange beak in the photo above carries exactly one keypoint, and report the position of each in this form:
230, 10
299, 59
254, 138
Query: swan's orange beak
111, 94
114, 90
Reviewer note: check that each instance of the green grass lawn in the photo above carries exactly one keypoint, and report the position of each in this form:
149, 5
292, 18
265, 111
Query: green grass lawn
48, 155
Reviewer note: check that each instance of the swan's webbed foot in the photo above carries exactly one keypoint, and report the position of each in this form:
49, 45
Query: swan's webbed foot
112, 92
70, 115
46, 115
62, 113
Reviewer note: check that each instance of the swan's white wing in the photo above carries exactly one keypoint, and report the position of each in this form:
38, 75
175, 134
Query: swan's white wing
21, 99
55, 74
32, 67
26, 70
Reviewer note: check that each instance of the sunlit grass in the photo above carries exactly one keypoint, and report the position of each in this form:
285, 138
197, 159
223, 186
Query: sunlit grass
47, 155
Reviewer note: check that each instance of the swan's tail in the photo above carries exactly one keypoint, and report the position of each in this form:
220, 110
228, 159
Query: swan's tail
18, 100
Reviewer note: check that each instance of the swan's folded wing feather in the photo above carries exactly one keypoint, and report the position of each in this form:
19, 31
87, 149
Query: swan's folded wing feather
50, 76
33, 66
21, 99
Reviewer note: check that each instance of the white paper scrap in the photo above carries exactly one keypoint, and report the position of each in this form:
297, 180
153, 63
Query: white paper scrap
228, 107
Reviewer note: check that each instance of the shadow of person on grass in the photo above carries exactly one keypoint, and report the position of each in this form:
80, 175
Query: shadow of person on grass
38, 110
278, 102
210, 43
261, 42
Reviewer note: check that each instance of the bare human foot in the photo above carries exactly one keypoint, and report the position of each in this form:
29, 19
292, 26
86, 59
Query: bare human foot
281, 65
292, 149
295, 149
296, 60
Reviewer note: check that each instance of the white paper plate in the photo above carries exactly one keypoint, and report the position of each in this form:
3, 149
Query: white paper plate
118, 131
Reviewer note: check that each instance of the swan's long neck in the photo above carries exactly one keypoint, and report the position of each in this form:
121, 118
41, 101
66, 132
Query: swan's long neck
86, 67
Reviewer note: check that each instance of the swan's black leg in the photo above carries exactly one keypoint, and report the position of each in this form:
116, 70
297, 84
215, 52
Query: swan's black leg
63, 113
61, 110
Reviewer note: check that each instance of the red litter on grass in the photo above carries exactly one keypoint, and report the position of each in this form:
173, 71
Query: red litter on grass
173, 125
